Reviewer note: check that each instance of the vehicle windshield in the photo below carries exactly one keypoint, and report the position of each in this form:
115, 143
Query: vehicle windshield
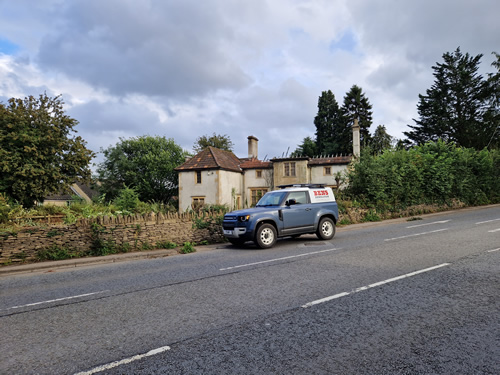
273, 198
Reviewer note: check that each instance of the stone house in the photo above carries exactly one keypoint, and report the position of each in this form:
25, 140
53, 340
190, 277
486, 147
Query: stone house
218, 177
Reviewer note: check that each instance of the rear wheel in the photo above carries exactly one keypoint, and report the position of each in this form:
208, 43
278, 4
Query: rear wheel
326, 229
265, 236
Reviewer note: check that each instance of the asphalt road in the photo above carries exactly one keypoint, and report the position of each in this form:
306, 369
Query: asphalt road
399, 297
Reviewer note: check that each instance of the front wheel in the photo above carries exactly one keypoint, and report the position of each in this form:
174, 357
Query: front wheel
265, 236
326, 229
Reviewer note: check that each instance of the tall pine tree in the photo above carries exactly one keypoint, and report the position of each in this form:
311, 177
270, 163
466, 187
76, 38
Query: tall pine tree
458, 107
329, 125
356, 105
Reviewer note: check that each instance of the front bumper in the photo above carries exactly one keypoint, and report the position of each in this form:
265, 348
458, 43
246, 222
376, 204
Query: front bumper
237, 232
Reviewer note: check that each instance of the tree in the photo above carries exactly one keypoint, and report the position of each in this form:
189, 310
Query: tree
458, 107
331, 136
493, 114
356, 105
381, 140
39, 154
145, 164
307, 148
219, 141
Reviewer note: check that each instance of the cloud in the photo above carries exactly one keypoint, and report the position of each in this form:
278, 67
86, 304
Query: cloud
188, 68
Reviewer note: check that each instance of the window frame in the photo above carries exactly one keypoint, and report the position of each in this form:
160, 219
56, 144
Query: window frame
290, 169
197, 178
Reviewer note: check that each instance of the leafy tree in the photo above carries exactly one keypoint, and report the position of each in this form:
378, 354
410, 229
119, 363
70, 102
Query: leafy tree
331, 135
307, 148
39, 154
219, 141
381, 140
356, 105
145, 164
458, 107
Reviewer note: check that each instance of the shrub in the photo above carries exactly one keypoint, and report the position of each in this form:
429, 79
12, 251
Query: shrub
187, 248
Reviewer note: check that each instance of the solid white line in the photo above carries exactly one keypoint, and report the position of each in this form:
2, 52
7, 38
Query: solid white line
494, 230
56, 300
276, 260
326, 299
422, 225
487, 221
490, 251
416, 234
124, 361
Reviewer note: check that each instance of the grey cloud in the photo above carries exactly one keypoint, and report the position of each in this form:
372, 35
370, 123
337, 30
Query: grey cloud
167, 49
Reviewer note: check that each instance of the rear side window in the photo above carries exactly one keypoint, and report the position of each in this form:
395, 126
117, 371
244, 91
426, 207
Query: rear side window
299, 196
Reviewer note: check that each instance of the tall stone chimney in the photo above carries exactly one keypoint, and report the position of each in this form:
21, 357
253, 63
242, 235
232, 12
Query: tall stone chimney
356, 148
253, 147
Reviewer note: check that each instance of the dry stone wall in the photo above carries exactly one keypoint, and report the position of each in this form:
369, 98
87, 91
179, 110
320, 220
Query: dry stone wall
133, 232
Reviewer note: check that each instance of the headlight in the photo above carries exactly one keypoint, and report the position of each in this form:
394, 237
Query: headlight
244, 218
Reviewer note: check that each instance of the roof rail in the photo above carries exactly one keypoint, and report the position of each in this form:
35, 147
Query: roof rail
311, 186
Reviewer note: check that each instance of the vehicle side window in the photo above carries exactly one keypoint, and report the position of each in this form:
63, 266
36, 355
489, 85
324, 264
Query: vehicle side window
299, 196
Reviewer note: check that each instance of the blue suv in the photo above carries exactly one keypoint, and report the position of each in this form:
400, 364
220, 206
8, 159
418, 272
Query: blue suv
291, 211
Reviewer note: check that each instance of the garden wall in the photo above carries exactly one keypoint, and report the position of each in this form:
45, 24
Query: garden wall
131, 232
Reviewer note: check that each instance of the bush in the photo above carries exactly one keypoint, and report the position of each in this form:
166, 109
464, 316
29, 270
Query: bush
127, 200
187, 248
433, 173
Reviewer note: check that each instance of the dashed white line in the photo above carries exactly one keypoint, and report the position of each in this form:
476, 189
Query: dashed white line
416, 234
487, 221
422, 225
491, 251
326, 299
124, 361
494, 230
276, 259
56, 300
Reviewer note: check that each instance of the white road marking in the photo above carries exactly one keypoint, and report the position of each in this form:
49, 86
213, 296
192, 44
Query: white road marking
487, 221
124, 361
416, 234
326, 299
277, 259
422, 225
55, 300
490, 251
494, 230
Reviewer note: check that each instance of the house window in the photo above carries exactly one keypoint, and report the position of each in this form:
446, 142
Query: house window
197, 202
198, 177
258, 173
290, 169
256, 194
327, 171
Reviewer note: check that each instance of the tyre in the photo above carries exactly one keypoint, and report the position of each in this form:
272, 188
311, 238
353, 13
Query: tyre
236, 241
265, 236
326, 229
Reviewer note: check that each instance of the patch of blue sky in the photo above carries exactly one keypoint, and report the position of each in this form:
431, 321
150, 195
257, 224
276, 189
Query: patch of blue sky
7, 47
297, 32
347, 42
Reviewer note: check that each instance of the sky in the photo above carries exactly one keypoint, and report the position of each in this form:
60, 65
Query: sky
182, 69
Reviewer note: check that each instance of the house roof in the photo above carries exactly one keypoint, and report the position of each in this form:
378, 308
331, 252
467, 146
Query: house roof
330, 160
254, 163
66, 195
212, 158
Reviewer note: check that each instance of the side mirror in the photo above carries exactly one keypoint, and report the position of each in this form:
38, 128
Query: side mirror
291, 202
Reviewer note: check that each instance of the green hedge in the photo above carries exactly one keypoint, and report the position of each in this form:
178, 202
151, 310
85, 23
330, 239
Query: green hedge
434, 173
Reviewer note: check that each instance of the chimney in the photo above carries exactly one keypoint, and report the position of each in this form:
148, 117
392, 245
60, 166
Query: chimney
356, 149
253, 147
